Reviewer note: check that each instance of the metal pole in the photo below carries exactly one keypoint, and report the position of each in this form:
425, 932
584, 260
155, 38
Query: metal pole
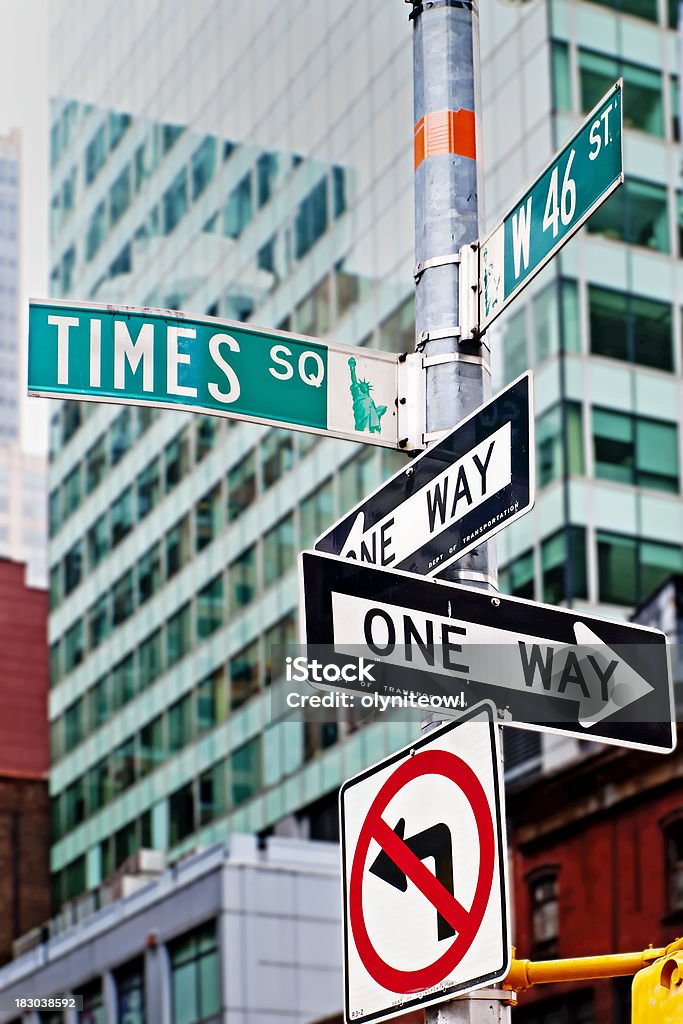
458, 374
445, 38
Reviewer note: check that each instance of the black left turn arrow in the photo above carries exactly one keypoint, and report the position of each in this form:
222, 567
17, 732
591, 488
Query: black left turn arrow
435, 842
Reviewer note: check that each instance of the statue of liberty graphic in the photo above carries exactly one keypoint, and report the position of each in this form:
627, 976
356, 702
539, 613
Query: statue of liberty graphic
366, 414
491, 283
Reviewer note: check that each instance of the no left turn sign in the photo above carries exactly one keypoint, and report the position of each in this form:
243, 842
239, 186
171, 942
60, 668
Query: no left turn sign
423, 848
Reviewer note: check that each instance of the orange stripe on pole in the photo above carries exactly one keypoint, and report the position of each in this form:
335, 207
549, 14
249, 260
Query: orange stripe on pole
446, 131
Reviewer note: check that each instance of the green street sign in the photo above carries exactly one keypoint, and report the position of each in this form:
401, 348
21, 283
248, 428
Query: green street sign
201, 364
579, 178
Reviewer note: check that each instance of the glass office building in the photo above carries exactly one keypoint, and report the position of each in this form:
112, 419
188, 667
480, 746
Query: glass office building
254, 162
22, 474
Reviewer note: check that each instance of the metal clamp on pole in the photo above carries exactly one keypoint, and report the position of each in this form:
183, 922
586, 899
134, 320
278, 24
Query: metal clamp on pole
433, 335
468, 286
435, 261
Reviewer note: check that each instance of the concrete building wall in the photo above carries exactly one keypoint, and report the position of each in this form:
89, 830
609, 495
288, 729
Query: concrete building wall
276, 914
608, 831
24, 742
24, 858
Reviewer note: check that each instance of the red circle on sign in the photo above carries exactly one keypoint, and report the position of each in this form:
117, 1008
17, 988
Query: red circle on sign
429, 762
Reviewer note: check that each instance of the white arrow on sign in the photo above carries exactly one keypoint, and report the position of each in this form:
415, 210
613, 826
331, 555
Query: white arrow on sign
589, 672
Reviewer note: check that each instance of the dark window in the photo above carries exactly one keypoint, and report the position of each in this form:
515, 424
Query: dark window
545, 912
630, 568
170, 133
241, 486
207, 517
177, 545
523, 751
180, 728
210, 608
203, 165
130, 993
74, 649
174, 202
95, 464
149, 573
98, 541
176, 460
98, 621
518, 576
211, 793
563, 565
237, 211
178, 635
632, 328
635, 450
243, 579
148, 488
181, 811
122, 766
276, 643
338, 191
149, 659
95, 153
119, 195
311, 219
211, 701
122, 682
123, 598
99, 704
120, 436
637, 213
93, 1005
126, 842
644, 109
152, 747
637, 8
244, 675
266, 172
73, 567
245, 771
278, 550
195, 975
118, 125
673, 846
277, 450
121, 517
559, 434
206, 431
74, 724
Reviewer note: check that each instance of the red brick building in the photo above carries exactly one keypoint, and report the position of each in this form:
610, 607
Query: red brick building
24, 757
597, 867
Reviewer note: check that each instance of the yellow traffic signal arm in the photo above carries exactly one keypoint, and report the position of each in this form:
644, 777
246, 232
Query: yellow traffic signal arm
525, 973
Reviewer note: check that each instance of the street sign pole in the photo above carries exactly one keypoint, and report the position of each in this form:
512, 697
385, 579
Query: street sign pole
447, 184
458, 373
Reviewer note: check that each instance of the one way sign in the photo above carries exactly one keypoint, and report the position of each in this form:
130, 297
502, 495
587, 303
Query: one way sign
455, 495
423, 851
547, 667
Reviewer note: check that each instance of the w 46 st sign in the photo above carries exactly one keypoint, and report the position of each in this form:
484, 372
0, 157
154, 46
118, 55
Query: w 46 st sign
581, 176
